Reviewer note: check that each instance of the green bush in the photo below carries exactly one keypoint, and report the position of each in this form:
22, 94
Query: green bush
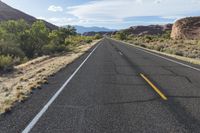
6, 62
10, 30
179, 53
11, 48
158, 47
98, 36
67, 42
169, 50
166, 34
52, 49
48, 49
20, 41
32, 40
61, 48
88, 40
143, 45
77, 40
121, 35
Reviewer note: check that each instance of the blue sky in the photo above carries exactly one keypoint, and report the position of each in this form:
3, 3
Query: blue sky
115, 14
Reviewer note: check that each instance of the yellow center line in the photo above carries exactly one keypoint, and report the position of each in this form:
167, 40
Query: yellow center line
153, 86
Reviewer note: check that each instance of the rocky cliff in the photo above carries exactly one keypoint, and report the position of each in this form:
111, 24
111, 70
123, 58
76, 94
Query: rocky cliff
186, 28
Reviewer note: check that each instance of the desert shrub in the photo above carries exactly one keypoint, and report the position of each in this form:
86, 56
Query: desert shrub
14, 27
73, 40
158, 47
198, 42
68, 31
58, 36
179, 53
21, 41
11, 29
52, 49
169, 50
6, 62
137, 43
151, 47
48, 49
32, 40
68, 42
62, 48
166, 34
131, 36
148, 38
88, 40
78, 40
143, 45
121, 35
161, 40
97, 36
11, 48
191, 54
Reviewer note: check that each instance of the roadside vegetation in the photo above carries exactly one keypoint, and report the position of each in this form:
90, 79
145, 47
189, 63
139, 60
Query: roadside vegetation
163, 43
20, 42
29, 54
29, 76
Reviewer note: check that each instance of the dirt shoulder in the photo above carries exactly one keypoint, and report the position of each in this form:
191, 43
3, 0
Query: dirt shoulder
16, 86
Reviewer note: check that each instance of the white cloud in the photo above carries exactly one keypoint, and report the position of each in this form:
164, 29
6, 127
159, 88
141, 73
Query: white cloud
117, 12
157, 1
54, 8
139, 1
40, 17
60, 21
121, 9
173, 17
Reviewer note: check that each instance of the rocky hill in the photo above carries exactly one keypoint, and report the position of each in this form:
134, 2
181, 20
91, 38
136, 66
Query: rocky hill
186, 28
92, 33
82, 29
9, 13
137, 30
148, 30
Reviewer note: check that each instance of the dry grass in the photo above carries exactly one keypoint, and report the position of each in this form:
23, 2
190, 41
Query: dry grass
183, 48
16, 87
166, 53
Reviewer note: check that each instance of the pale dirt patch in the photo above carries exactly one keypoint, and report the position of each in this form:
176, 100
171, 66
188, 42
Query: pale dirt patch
16, 86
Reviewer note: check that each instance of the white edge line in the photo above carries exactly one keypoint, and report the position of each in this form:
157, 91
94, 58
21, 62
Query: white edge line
194, 68
44, 109
120, 53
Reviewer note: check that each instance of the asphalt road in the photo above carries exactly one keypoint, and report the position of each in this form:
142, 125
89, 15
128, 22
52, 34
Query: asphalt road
107, 94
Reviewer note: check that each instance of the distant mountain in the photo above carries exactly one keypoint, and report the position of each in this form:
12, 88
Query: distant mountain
148, 30
82, 29
102, 33
9, 13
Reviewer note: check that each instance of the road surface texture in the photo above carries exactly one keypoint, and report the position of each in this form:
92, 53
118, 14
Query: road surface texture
118, 89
